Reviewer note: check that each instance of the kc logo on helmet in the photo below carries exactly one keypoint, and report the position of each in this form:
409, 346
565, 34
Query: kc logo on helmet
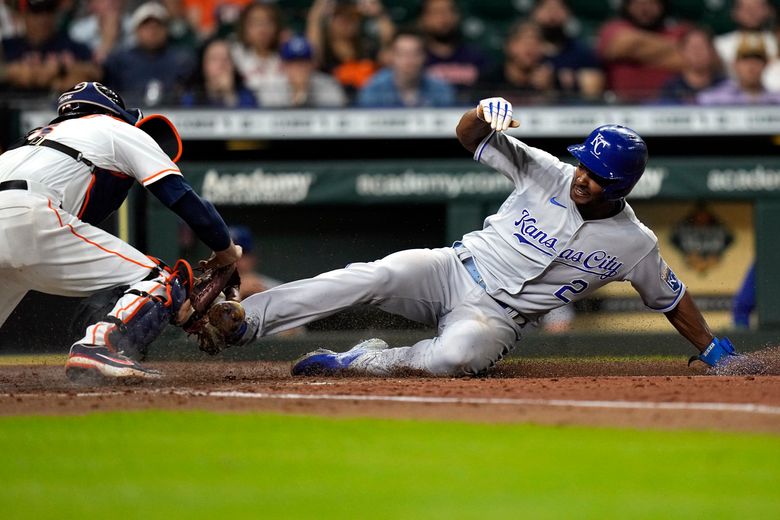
596, 142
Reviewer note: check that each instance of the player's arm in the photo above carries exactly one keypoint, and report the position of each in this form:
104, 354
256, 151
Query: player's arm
200, 215
662, 291
690, 323
471, 130
136, 153
492, 114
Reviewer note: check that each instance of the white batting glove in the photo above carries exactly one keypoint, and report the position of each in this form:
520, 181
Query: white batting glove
497, 112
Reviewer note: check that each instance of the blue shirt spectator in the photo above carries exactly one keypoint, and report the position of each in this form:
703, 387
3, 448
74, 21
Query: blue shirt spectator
152, 72
44, 59
575, 65
382, 91
701, 69
448, 57
747, 88
404, 83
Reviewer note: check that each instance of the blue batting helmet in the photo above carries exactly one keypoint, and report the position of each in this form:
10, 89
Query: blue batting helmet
616, 154
91, 97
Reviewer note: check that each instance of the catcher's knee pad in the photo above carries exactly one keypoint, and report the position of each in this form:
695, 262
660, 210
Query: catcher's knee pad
129, 318
145, 309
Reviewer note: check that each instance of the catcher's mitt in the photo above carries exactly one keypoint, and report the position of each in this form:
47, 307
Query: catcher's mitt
214, 285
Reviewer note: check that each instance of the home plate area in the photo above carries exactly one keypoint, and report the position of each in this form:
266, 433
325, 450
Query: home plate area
631, 393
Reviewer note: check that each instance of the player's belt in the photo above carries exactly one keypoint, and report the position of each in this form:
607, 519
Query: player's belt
16, 184
471, 266
32, 186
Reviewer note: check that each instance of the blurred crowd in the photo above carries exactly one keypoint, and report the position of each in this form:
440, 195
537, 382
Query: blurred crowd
405, 53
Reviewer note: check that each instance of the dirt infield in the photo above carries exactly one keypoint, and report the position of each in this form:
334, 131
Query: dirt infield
624, 393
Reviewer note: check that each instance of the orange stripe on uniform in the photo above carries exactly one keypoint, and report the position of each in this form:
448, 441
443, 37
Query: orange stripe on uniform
88, 241
86, 198
149, 178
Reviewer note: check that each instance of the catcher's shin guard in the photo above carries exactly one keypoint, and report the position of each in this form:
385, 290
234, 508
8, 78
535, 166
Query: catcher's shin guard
141, 312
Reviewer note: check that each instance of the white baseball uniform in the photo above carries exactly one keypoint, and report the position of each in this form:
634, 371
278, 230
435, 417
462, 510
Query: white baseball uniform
535, 254
45, 243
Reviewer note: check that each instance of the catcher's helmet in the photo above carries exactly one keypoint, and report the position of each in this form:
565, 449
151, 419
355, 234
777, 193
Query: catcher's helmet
614, 153
91, 97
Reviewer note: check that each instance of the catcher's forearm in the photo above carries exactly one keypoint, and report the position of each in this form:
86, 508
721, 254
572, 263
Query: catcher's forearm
205, 221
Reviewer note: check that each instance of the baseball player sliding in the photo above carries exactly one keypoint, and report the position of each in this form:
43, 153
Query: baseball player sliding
63, 179
563, 232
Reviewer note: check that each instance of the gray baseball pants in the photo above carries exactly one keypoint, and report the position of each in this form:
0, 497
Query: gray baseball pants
428, 286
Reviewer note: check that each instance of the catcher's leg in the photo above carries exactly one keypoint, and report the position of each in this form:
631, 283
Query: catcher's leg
12, 294
132, 322
56, 253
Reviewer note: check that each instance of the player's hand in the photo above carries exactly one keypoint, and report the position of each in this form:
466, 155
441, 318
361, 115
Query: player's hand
227, 256
497, 112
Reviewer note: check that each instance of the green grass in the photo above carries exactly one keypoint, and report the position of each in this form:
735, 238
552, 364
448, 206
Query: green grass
206, 465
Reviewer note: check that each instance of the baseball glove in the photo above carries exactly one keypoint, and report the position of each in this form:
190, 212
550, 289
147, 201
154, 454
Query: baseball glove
213, 286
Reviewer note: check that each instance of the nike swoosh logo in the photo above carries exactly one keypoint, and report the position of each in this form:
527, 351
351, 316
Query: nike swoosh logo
115, 360
556, 203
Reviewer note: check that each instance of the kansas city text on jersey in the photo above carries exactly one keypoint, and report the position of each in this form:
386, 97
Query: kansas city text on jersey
597, 262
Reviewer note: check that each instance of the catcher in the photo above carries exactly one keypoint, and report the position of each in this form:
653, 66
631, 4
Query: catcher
57, 184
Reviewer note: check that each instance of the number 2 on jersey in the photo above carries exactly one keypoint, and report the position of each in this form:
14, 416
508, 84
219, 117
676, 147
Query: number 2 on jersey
575, 287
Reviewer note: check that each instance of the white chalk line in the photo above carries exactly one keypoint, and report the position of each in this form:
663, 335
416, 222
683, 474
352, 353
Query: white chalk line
567, 403
485, 401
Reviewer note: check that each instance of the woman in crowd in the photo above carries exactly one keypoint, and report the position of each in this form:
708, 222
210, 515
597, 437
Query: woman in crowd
216, 81
256, 53
348, 38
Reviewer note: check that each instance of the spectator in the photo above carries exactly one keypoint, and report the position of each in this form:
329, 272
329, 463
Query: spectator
448, 58
152, 71
104, 27
181, 32
772, 70
301, 84
526, 76
744, 302
216, 83
640, 50
206, 16
348, 37
10, 23
405, 83
44, 59
256, 53
747, 87
701, 68
576, 68
252, 281
753, 18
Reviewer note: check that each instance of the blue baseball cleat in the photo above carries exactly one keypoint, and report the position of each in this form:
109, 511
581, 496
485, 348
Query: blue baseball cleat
327, 362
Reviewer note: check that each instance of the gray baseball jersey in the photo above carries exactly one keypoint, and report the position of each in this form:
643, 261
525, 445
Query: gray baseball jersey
537, 253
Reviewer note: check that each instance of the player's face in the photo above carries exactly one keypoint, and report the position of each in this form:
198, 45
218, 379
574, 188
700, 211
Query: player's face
585, 190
